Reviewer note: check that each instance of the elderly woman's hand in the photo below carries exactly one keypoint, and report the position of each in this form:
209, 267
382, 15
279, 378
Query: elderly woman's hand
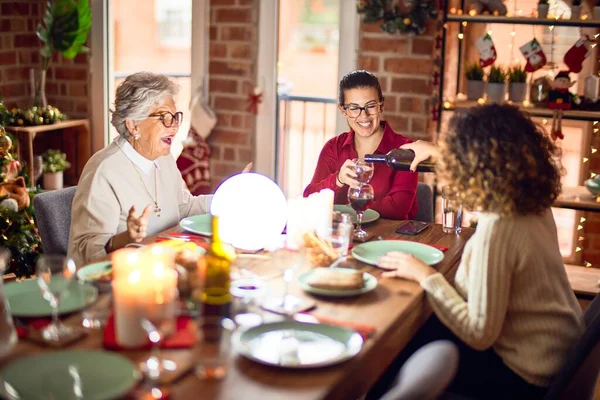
405, 266
423, 151
247, 168
136, 226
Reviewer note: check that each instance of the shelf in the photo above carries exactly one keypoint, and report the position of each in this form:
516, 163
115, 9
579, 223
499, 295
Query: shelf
577, 198
491, 19
577, 115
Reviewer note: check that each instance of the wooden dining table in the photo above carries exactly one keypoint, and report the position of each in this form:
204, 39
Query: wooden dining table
396, 309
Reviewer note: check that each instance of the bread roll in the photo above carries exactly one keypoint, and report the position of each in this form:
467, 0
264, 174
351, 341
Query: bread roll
328, 278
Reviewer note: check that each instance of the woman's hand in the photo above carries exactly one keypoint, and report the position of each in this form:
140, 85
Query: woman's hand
247, 168
405, 266
347, 175
423, 151
136, 226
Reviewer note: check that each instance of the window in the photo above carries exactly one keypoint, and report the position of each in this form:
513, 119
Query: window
174, 18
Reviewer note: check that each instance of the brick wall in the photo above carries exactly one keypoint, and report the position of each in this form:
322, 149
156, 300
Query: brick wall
232, 68
404, 66
67, 84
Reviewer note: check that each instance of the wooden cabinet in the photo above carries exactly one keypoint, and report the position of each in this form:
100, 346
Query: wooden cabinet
73, 137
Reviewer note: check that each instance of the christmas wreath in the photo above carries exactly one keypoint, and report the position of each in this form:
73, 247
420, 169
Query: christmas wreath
406, 16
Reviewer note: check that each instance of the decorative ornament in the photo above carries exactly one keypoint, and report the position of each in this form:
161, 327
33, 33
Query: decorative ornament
194, 164
560, 99
406, 16
575, 56
533, 53
254, 100
487, 50
5, 142
34, 116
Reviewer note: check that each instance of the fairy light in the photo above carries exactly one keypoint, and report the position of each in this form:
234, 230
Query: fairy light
545, 121
588, 264
584, 17
464, 23
585, 159
581, 238
551, 28
513, 33
460, 36
453, 10
481, 100
473, 12
579, 227
594, 150
519, 12
577, 249
592, 175
582, 220
489, 32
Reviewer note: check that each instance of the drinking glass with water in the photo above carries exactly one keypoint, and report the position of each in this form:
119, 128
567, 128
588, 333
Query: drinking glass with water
452, 212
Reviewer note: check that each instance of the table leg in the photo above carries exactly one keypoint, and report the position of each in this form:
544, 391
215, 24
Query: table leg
30, 158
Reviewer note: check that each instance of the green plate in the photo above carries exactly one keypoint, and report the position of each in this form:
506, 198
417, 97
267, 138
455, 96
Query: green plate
296, 345
593, 186
368, 216
198, 224
370, 284
371, 251
25, 298
70, 374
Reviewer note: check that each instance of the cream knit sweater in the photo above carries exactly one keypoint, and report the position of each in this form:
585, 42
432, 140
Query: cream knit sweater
511, 292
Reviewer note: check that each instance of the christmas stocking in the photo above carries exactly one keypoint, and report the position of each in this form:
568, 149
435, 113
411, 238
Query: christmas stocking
194, 164
533, 53
575, 55
487, 50
194, 161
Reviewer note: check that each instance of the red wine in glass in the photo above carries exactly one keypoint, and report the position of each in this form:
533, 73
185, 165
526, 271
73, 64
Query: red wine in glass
360, 204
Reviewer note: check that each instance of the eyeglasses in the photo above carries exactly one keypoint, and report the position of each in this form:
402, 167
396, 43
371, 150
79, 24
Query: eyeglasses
354, 110
168, 119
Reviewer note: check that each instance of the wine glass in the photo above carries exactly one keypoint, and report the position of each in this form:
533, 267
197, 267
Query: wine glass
289, 260
360, 199
54, 276
160, 322
364, 170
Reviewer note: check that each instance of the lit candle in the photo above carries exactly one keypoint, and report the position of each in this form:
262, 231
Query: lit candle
148, 290
128, 294
323, 227
124, 261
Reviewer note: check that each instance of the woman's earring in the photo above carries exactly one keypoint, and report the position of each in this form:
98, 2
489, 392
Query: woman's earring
136, 136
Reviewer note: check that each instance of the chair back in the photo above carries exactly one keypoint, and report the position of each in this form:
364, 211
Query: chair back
425, 201
427, 373
578, 377
53, 218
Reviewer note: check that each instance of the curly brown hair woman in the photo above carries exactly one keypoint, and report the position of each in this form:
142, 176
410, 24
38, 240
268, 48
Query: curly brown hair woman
511, 311
499, 160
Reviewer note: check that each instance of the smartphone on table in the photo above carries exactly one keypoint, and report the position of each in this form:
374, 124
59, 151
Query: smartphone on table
412, 227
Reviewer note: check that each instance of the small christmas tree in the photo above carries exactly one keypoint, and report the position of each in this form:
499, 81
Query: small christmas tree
17, 226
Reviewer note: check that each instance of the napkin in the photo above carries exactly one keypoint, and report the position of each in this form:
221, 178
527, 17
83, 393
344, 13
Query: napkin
22, 326
365, 330
184, 336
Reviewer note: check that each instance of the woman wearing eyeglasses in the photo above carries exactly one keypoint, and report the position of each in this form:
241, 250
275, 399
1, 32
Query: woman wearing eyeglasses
132, 188
361, 102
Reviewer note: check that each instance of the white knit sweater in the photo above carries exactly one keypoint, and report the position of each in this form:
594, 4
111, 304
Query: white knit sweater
511, 292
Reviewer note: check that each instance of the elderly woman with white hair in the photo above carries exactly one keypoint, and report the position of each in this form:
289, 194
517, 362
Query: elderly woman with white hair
136, 172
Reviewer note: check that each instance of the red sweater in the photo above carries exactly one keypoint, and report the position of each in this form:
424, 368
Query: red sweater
395, 191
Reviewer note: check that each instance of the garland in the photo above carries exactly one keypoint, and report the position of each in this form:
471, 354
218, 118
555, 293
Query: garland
411, 21
33, 116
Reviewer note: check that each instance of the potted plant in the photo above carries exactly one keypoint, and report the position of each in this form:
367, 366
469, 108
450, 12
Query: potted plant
517, 88
543, 8
475, 83
65, 28
496, 87
576, 9
596, 10
55, 162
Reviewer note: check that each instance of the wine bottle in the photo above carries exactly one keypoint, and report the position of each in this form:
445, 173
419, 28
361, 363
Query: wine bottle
400, 159
216, 297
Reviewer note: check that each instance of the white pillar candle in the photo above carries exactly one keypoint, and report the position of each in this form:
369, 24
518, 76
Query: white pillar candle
148, 291
129, 309
326, 198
